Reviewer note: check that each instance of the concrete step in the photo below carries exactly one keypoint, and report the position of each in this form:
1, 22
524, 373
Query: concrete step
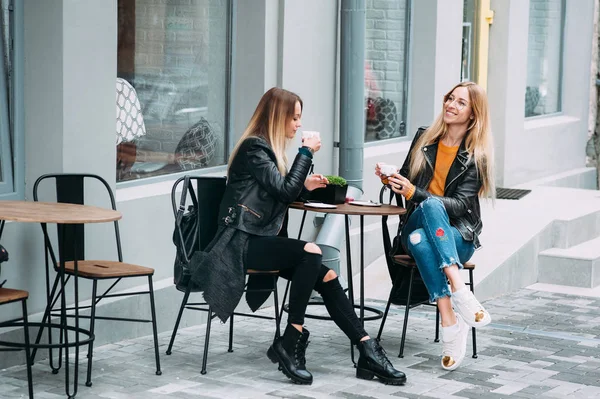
576, 266
572, 231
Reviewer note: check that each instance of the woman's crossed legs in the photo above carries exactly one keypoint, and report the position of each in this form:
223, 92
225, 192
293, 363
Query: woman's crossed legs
300, 263
439, 251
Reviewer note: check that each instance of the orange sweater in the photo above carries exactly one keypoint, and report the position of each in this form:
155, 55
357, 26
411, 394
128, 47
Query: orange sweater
443, 160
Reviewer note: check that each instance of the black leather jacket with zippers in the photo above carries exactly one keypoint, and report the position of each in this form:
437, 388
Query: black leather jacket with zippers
460, 198
257, 195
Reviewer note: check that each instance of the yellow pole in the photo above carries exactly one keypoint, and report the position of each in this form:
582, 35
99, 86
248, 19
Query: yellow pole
484, 20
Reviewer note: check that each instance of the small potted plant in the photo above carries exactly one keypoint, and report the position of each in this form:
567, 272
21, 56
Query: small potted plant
334, 193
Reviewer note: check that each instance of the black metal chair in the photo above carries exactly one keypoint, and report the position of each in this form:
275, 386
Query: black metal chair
7, 296
405, 261
69, 188
206, 198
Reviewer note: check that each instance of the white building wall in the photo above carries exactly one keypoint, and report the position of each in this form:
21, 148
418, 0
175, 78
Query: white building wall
534, 148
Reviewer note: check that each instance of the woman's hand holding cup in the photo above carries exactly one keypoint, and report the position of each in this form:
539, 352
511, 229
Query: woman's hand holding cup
312, 140
384, 171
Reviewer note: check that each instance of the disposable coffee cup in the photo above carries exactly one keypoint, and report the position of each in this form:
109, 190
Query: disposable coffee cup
307, 134
386, 171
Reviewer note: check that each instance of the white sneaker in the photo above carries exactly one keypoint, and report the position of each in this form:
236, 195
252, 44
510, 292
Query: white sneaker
454, 344
473, 313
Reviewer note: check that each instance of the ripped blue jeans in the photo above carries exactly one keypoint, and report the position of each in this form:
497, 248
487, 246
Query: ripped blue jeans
434, 244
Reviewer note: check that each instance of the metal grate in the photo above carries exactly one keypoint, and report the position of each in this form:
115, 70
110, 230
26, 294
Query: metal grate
511, 193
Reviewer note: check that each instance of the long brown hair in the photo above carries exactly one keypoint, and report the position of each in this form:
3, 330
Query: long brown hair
478, 140
274, 110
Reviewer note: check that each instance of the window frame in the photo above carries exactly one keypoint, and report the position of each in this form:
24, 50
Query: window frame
561, 67
13, 186
228, 122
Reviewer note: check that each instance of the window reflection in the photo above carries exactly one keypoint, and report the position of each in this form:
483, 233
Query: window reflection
544, 57
386, 53
171, 90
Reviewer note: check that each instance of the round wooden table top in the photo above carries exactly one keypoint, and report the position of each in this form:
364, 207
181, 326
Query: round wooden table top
54, 212
348, 209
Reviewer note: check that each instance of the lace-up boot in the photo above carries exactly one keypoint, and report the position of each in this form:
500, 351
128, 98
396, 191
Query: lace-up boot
374, 363
290, 351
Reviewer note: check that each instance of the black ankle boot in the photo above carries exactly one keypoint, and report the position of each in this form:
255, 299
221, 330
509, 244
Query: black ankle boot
374, 363
289, 351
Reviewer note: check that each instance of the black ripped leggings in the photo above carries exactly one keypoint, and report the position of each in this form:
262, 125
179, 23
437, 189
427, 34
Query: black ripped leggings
305, 271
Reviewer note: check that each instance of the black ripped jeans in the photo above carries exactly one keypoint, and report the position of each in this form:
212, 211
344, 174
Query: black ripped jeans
305, 271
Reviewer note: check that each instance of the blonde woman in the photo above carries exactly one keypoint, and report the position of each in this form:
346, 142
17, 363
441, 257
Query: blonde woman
448, 167
252, 235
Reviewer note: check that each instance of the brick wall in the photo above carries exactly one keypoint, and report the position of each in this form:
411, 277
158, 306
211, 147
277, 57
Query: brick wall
543, 54
385, 53
180, 73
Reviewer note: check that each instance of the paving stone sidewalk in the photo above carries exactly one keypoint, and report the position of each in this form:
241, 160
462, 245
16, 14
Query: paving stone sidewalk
539, 344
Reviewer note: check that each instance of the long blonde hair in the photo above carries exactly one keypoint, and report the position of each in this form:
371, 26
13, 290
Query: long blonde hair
274, 110
478, 140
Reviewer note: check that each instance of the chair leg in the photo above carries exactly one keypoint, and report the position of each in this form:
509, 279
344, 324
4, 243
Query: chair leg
48, 318
154, 329
206, 340
27, 348
474, 334
230, 349
387, 308
276, 303
88, 382
412, 272
181, 308
437, 324
287, 288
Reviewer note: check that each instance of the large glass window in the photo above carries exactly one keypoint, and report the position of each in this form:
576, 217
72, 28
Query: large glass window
544, 57
6, 98
386, 72
172, 86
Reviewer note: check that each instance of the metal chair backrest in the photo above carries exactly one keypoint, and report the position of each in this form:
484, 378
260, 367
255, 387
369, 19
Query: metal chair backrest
70, 188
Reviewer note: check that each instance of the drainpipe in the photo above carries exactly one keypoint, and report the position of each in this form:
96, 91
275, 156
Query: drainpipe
352, 123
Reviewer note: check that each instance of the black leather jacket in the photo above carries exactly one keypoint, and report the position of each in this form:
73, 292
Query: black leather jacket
257, 195
460, 198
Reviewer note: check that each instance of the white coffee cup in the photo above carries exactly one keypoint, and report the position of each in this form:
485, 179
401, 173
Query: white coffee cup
388, 170
307, 134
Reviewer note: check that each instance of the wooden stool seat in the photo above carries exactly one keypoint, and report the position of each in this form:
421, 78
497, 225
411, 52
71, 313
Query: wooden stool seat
9, 295
100, 269
406, 260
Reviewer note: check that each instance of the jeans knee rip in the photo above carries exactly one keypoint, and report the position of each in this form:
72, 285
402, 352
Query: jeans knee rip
415, 238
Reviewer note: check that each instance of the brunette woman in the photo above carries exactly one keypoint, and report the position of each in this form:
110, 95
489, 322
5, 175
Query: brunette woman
448, 167
252, 235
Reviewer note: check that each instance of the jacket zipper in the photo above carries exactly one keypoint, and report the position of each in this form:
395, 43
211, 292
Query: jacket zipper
250, 210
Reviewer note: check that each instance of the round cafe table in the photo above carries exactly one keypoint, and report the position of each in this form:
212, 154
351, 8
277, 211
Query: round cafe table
61, 214
348, 210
